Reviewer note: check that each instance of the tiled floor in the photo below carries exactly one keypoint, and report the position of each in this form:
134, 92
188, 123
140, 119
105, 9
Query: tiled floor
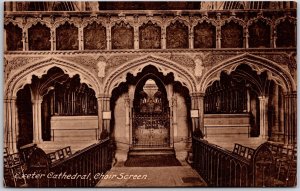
175, 176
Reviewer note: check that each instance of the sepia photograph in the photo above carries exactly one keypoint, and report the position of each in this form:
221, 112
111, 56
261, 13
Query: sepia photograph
149, 94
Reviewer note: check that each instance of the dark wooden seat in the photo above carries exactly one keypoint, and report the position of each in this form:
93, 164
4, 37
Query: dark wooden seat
13, 166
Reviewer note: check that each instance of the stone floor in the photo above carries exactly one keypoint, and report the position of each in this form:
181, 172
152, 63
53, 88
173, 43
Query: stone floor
172, 176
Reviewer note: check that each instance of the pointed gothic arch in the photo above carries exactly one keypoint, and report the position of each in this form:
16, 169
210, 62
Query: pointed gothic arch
40, 68
163, 65
275, 71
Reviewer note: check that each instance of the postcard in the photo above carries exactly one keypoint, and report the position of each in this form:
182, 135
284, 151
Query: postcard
150, 94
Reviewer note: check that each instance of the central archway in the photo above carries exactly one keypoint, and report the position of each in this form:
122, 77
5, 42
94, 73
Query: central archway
151, 114
155, 115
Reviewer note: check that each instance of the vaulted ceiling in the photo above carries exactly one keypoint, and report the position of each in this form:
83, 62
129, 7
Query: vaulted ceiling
144, 5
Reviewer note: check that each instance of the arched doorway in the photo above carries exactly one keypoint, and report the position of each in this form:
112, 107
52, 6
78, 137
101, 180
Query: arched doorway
156, 114
244, 105
151, 114
56, 108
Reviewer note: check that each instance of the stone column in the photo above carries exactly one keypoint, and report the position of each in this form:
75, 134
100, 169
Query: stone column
263, 112
191, 38
131, 90
273, 37
37, 120
104, 103
218, 32
163, 37
198, 104
136, 38
100, 117
53, 39
275, 128
10, 125
108, 35
127, 118
246, 38
281, 118
173, 115
80, 38
290, 118
25, 40
248, 101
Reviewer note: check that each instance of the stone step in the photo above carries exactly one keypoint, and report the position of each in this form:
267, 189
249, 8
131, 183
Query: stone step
151, 151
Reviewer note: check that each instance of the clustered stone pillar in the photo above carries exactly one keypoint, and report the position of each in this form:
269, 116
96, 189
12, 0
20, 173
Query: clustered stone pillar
275, 128
128, 106
290, 116
11, 125
163, 38
173, 113
37, 120
263, 111
104, 119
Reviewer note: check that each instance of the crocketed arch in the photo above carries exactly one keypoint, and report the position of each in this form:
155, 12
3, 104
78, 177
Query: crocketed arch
163, 65
274, 71
18, 81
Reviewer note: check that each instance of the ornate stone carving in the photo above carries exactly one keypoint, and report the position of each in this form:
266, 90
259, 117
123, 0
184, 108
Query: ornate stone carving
115, 61
177, 35
39, 37
150, 35
16, 63
213, 59
67, 37
122, 36
94, 36
13, 37
284, 60
86, 61
204, 35
259, 35
232, 35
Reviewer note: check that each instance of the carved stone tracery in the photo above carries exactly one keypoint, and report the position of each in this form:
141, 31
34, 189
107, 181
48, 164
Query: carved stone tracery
150, 36
177, 35
122, 36
94, 36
